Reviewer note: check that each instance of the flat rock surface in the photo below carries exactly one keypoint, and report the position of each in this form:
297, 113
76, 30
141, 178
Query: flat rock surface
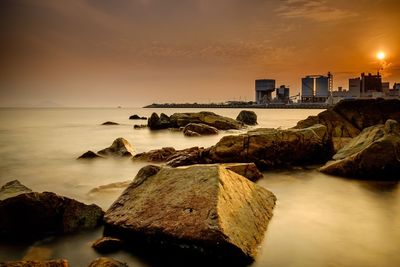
201, 206
106, 262
208, 118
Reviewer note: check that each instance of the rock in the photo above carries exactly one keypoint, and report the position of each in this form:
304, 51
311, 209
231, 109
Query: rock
89, 155
109, 123
137, 117
248, 170
120, 147
247, 117
35, 214
269, 148
191, 133
49, 263
12, 189
372, 154
208, 209
137, 126
348, 118
157, 155
188, 156
108, 244
208, 118
107, 262
158, 123
197, 129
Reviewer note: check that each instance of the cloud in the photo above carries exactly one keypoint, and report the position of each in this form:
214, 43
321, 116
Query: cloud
315, 10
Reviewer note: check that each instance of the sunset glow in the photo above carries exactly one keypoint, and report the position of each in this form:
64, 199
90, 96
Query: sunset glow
380, 55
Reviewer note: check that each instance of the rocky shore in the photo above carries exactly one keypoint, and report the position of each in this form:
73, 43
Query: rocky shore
202, 202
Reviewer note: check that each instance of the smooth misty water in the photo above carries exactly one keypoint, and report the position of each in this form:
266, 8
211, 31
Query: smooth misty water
319, 220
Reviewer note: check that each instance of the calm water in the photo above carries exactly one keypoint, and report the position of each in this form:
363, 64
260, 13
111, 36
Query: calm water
319, 220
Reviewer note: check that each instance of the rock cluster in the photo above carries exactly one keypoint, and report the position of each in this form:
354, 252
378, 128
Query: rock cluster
247, 117
206, 208
374, 153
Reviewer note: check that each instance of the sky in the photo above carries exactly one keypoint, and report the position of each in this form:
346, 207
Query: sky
103, 53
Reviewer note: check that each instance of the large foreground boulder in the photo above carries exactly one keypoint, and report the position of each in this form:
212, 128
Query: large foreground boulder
208, 118
349, 117
30, 215
247, 117
205, 208
48, 263
375, 153
119, 148
12, 189
269, 148
200, 129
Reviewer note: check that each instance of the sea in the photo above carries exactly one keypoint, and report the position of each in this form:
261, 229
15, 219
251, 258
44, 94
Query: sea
319, 220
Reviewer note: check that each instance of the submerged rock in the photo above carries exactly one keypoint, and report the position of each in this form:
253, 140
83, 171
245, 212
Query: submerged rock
199, 129
35, 263
137, 117
107, 262
269, 148
109, 123
348, 118
108, 244
375, 153
208, 118
247, 117
139, 126
35, 214
12, 189
89, 155
208, 209
120, 148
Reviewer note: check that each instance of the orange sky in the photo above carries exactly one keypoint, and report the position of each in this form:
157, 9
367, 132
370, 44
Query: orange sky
136, 52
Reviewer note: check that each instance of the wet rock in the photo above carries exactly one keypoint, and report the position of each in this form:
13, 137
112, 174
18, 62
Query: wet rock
89, 155
208, 209
372, 154
12, 189
139, 126
269, 148
35, 263
31, 215
198, 129
120, 148
109, 123
188, 156
247, 117
348, 118
156, 155
107, 262
157, 123
108, 244
191, 133
248, 170
208, 118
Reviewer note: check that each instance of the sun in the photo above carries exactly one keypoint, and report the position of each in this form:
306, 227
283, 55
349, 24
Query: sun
380, 55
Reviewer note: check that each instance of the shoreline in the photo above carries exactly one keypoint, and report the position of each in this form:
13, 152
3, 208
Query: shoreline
250, 106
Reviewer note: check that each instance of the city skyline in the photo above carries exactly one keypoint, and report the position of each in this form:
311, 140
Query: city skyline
133, 53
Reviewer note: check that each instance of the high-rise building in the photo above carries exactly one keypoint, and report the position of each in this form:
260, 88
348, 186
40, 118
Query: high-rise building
264, 89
